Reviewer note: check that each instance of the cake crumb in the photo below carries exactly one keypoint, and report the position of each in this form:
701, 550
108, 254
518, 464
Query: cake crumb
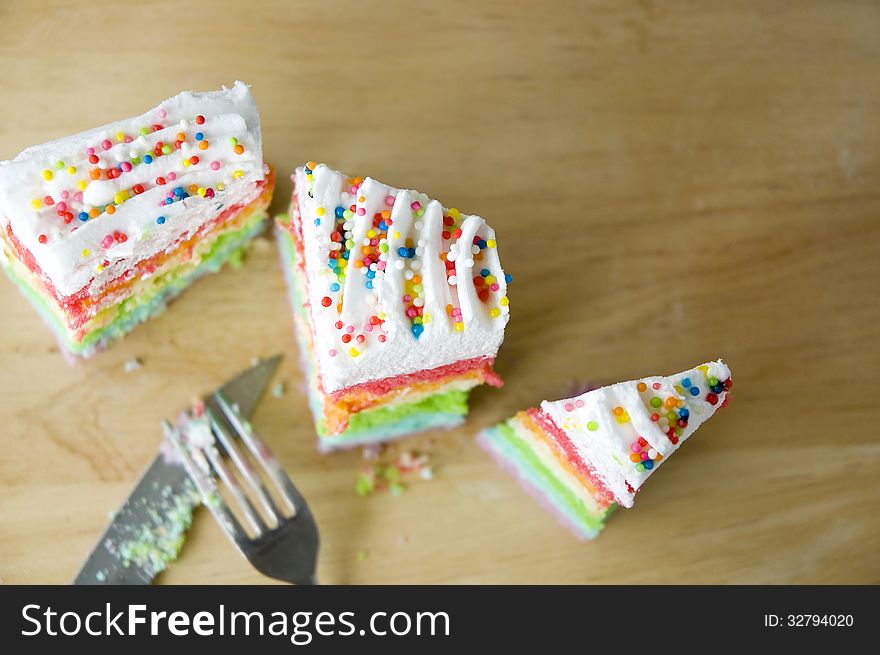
393, 476
132, 364
362, 554
278, 390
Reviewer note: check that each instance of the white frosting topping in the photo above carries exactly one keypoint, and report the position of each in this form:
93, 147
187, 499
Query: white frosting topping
44, 182
605, 424
396, 307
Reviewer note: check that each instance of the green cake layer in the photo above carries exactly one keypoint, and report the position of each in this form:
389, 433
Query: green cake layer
514, 454
445, 409
226, 247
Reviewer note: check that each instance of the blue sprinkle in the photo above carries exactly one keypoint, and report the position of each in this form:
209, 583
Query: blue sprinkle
148, 159
346, 254
481, 243
648, 464
369, 284
695, 391
485, 272
417, 330
340, 211
168, 201
717, 388
686, 383
334, 286
317, 222
383, 225
160, 220
403, 252
83, 216
508, 278
371, 274
179, 192
684, 412
199, 136
411, 253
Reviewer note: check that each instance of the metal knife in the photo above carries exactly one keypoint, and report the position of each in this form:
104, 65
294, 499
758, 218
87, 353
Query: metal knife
147, 531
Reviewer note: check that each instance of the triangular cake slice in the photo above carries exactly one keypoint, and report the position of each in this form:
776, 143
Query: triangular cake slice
400, 305
585, 455
101, 229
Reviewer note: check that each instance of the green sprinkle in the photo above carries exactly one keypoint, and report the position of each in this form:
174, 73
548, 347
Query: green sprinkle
592, 426
656, 402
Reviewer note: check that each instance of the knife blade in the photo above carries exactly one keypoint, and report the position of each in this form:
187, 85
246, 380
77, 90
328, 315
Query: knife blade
148, 530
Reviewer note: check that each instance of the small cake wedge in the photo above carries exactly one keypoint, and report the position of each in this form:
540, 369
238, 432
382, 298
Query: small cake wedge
400, 305
584, 456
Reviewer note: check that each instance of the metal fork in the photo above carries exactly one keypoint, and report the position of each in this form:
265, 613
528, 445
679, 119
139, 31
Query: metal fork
285, 548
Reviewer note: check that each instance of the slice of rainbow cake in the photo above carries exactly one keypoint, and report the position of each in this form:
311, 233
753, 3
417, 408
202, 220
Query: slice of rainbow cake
586, 455
399, 303
101, 229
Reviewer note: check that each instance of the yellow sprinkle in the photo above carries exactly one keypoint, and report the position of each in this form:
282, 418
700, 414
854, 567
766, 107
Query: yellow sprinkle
86, 252
81, 185
238, 173
121, 197
454, 214
353, 352
99, 267
202, 191
396, 235
319, 211
704, 369
494, 312
371, 233
490, 279
186, 162
71, 170
36, 203
459, 327
309, 177
48, 175
490, 243
381, 315
120, 136
221, 186
504, 302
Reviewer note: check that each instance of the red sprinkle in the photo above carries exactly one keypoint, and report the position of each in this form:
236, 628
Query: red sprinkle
160, 181
42, 238
200, 119
326, 301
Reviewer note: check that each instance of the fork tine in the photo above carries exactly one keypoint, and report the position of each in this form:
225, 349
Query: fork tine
206, 487
228, 478
260, 451
244, 466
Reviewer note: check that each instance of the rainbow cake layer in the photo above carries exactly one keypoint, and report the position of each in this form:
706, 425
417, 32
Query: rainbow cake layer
586, 455
399, 304
101, 229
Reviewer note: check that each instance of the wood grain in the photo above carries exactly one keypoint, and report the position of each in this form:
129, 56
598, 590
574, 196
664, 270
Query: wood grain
670, 182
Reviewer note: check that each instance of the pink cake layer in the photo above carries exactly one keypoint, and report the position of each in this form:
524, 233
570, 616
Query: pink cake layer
549, 426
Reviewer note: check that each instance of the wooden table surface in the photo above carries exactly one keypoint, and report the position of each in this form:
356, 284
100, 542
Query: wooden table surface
671, 182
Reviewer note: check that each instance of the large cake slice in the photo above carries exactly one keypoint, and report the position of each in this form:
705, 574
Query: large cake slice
586, 455
101, 229
400, 305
